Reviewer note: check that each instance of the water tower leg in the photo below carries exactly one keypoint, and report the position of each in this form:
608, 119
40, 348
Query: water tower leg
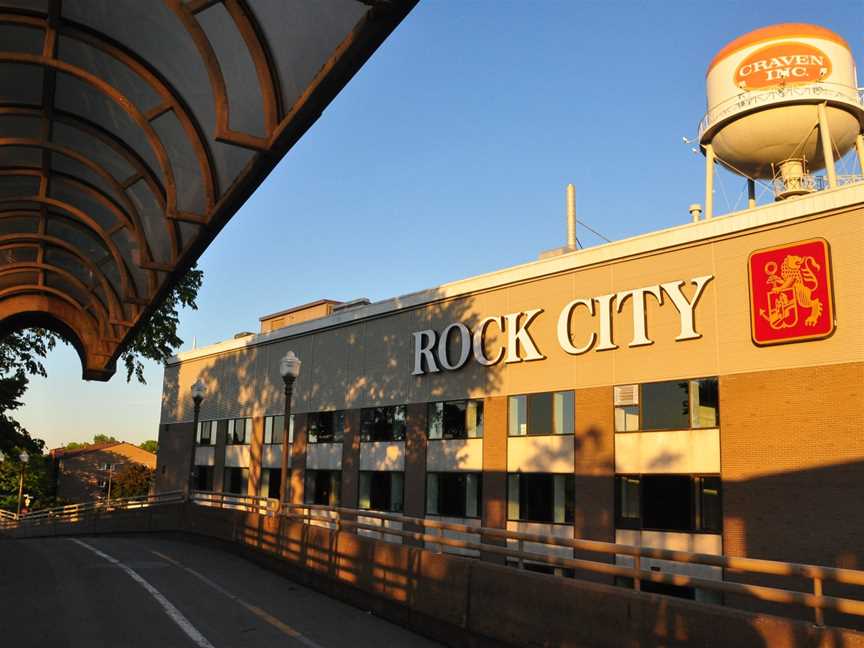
751, 193
827, 149
859, 145
709, 181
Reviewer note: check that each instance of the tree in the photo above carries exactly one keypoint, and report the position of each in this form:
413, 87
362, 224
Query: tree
104, 438
158, 339
132, 480
22, 353
150, 445
38, 481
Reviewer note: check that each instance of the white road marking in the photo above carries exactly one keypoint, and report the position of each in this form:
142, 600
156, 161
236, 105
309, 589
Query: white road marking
175, 614
254, 609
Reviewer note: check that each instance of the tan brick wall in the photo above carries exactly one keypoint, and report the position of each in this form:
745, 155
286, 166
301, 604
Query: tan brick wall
495, 462
594, 464
792, 461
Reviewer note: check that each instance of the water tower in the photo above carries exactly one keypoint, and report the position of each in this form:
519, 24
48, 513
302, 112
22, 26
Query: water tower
783, 101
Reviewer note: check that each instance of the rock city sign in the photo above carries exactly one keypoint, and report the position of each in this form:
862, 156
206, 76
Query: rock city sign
452, 347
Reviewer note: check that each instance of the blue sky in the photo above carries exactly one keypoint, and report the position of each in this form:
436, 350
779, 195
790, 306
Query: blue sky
447, 156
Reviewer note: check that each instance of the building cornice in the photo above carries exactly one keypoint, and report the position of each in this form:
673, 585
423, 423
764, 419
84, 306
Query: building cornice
681, 235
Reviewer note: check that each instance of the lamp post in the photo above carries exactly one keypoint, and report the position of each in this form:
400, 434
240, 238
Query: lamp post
198, 389
289, 369
24, 457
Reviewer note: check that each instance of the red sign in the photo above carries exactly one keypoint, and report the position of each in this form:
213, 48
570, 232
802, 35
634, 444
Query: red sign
791, 293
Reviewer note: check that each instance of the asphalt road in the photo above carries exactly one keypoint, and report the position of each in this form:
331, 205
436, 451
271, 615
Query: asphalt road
157, 591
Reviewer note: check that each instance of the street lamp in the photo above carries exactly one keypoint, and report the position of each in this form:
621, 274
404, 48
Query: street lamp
24, 457
198, 389
289, 369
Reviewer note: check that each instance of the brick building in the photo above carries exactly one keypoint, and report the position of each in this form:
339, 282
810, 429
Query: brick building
613, 393
84, 474
695, 388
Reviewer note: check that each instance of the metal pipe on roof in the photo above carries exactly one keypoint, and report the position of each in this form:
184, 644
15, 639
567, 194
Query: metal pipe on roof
571, 216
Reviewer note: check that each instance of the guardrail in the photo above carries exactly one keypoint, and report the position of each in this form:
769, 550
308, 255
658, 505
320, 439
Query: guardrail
248, 503
517, 548
746, 100
74, 512
340, 518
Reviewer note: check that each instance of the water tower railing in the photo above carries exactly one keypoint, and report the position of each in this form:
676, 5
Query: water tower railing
809, 183
750, 100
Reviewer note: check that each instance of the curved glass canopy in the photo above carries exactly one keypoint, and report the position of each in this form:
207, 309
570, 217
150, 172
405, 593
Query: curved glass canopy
132, 130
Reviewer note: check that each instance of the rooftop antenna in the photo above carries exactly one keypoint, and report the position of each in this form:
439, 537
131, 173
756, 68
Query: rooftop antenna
572, 241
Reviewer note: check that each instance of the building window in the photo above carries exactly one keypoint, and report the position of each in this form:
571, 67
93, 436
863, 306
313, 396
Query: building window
271, 479
206, 433
462, 419
540, 497
381, 491
325, 427
688, 503
383, 423
323, 487
204, 478
454, 494
274, 429
236, 480
541, 414
239, 431
669, 405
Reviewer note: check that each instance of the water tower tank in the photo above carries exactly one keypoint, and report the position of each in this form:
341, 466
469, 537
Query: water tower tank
764, 92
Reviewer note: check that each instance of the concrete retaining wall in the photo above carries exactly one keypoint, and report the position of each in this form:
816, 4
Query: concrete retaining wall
459, 601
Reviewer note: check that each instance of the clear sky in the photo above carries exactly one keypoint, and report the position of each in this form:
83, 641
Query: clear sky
447, 156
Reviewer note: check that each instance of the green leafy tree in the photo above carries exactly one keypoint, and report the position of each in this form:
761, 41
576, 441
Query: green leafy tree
150, 445
132, 480
38, 482
104, 438
158, 339
22, 354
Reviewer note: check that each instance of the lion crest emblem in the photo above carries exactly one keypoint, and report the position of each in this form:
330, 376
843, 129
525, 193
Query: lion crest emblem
791, 294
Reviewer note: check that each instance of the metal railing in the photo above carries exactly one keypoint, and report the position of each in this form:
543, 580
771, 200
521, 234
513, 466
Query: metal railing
248, 503
518, 548
74, 512
748, 100
807, 183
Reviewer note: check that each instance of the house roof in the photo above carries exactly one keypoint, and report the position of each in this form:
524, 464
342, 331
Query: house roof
95, 447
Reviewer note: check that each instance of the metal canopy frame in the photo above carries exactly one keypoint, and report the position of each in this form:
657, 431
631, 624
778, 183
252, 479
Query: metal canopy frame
132, 130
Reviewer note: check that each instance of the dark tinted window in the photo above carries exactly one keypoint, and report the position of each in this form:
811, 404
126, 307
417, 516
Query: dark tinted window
204, 478
540, 419
270, 482
540, 497
325, 427
383, 423
666, 406
453, 494
667, 502
235, 481
461, 419
322, 487
381, 491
